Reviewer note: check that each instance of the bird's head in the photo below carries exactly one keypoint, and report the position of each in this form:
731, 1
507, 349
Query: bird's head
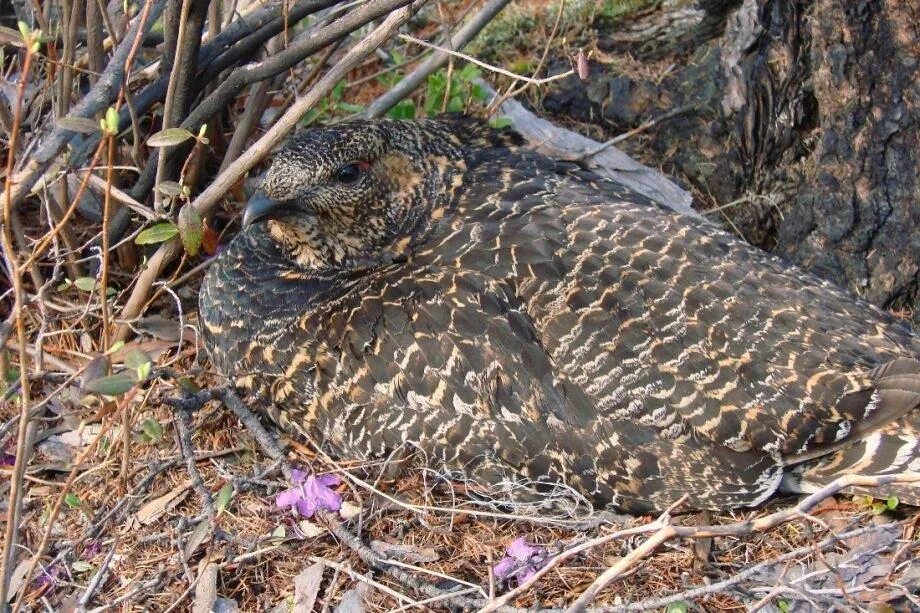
358, 192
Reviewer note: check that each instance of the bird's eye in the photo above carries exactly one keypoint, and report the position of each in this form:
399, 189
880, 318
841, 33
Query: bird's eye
349, 174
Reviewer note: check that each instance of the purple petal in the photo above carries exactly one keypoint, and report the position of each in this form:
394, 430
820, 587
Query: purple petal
7, 459
288, 498
504, 567
91, 549
306, 507
524, 574
321, 495
298, 476
520, 550
329, 480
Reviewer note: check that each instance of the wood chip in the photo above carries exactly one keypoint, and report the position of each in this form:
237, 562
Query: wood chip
306, 587
206, 590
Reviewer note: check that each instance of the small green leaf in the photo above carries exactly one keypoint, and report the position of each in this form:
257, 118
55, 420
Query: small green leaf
169, 137
81, 125
191, 229
202, 133
112, 385
783, 605
73, 501
111, 121
135, 358
25, 31
116, 347
404, 109
892, 502
878, 508
170, 188
500, 123
677, 607
86, 284
223, 497
143, 371
279, 532
81, 567
153, 430
188, 385
157, 233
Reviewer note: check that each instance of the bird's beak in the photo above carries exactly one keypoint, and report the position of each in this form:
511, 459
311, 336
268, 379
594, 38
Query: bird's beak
259, 206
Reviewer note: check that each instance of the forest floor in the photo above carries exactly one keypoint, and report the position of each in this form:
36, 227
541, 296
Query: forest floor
144, 491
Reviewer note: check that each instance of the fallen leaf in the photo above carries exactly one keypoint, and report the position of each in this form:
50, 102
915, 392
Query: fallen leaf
154, 509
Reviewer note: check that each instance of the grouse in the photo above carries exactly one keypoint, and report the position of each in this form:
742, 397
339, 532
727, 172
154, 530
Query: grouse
520, 322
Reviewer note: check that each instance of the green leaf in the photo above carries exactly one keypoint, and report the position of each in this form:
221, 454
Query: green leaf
191, 229
135, 358
116, 347
111, 121
81, 567
279, 532
169, 137
404, 109
25, 31
86, 284
81, 125
500, 123
143, 371
112, 385
157, 233
223, 497
878, 508
153, 430
139, 362
73, 501
892, 502
783, 605
188, 385
170, 188
677, 607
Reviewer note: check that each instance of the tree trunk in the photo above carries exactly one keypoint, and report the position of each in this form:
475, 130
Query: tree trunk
805, 126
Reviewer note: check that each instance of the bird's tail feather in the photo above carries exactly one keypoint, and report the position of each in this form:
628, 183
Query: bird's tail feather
888, 448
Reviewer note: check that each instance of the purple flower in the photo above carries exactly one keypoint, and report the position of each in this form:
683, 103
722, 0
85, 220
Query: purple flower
92, 548
311, 493
7, 459
47, 580
521, 561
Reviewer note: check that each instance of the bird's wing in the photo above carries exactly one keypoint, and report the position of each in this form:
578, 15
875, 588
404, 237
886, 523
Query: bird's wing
677, 326
439, 360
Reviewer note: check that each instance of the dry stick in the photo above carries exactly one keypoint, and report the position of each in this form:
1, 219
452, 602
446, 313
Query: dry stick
418, 76
638, 130
489, 67
98, 99
243, 164
15, 273
100, 575
169, 111
734, 529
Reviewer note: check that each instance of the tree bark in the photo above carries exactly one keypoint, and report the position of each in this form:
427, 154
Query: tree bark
805, 127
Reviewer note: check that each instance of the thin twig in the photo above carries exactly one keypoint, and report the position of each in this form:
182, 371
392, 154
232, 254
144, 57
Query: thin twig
418, 76
489, 67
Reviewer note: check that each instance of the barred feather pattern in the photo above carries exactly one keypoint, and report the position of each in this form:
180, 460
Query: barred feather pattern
535, 322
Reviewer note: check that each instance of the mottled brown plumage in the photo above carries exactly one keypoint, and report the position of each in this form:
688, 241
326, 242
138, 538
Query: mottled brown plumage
432, 285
